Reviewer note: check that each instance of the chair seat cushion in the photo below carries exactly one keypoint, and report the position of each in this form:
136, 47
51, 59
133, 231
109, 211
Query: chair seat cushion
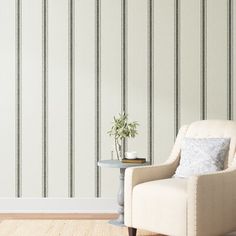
161, 206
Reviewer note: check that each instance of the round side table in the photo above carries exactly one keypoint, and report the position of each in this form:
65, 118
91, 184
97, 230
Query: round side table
120, 195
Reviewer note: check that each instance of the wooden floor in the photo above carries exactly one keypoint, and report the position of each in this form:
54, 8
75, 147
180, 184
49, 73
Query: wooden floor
55, 227
62, 228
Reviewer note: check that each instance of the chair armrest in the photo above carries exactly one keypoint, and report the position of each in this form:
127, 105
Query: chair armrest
138, 175
212, 203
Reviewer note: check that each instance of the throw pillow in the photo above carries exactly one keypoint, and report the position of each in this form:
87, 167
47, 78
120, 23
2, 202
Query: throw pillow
202, 156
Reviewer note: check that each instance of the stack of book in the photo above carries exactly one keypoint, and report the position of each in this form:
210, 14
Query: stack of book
136, 160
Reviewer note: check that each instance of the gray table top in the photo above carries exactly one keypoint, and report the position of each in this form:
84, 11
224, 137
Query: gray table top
119, 164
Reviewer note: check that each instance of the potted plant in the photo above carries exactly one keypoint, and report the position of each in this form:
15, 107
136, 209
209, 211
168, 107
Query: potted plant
122, 129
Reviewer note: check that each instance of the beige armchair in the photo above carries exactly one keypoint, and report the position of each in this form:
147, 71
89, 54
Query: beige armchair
202, 205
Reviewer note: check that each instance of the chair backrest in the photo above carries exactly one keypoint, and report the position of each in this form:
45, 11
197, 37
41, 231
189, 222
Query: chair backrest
215, 129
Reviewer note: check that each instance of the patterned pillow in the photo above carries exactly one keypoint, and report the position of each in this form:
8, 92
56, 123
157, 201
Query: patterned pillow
202, 156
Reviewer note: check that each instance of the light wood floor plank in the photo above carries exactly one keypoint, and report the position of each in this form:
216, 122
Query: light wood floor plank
63, 228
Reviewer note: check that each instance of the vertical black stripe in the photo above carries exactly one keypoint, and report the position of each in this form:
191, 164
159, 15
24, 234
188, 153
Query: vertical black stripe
97, 97
71, 98
45, 100
177, 71
203, 33
124, 63
230, 54
150, 80
18, 99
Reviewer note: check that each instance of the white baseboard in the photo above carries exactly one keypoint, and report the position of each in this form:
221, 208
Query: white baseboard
57, 205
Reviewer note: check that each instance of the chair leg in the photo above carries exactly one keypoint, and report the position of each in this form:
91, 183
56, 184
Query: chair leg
132, 231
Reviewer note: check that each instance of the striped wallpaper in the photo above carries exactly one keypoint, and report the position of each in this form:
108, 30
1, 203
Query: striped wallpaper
78, 63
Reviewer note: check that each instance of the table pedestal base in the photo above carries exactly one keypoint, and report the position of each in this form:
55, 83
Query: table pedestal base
120, 200
117, 222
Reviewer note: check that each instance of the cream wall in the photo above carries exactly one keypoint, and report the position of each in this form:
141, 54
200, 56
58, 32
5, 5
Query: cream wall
68, 66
